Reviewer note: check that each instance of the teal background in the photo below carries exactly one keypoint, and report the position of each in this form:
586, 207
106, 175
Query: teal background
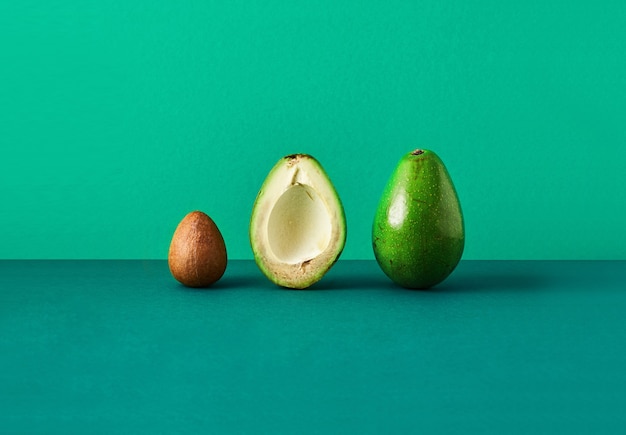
117, 118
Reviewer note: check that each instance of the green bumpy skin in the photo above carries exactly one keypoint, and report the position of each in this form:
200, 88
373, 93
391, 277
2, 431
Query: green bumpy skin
418, 234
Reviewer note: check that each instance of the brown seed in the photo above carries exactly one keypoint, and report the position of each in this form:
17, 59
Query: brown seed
197, 255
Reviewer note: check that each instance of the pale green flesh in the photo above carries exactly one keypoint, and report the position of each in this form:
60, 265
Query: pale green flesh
299, 226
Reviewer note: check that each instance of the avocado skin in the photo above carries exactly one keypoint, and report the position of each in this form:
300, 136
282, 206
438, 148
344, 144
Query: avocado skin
418, 234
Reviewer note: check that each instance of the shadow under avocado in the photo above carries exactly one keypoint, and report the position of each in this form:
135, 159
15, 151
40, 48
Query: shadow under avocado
353, 275
470, 276
230, 281
481, 281
348, 282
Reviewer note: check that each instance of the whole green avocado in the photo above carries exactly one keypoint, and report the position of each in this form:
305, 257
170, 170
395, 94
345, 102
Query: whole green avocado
418, 234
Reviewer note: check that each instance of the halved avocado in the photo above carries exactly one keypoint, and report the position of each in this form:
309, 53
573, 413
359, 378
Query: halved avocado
298, 225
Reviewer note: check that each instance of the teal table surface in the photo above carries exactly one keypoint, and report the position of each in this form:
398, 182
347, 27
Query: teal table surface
500, 347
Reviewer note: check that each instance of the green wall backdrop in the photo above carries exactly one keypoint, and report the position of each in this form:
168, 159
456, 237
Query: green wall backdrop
117, 118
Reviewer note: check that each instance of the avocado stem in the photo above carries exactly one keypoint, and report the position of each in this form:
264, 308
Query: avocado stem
417, 152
